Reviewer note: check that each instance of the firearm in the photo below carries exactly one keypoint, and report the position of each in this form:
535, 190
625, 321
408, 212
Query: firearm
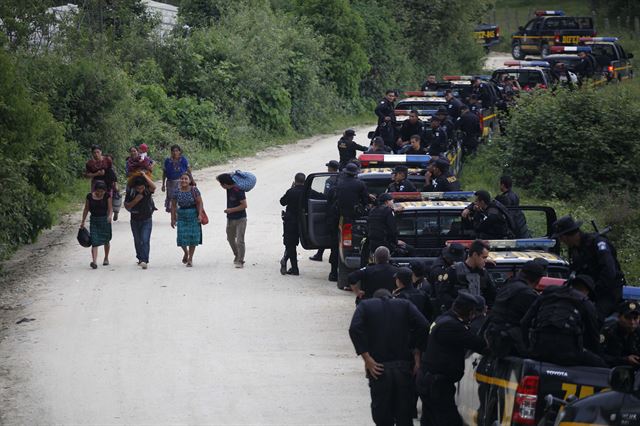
605, 231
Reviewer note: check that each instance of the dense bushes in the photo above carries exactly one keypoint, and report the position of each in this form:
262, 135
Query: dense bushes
230, 74
571, 143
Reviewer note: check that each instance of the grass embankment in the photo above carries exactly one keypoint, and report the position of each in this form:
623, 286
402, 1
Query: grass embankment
71, 199
617, 208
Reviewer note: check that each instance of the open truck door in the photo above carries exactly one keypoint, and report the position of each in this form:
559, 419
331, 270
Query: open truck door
315, 230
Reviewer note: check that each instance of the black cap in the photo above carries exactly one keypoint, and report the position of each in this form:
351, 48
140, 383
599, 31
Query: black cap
628, 307
585, 280
533, 270
384, 197
418, 268
542, 262
454, 252
351, 169
442, 110
564, 225
404, 275
333, 164
401, 169
443, 164
350, 132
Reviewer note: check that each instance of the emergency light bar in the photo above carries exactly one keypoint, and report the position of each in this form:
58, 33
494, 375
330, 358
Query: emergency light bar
367, 159
421, 112
527, 63
560, 49
524, 243
427, 93
465, 77
432, 196
596, 39
549, 13
630, 293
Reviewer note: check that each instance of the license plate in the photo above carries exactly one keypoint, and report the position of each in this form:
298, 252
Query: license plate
570, 39
485, 34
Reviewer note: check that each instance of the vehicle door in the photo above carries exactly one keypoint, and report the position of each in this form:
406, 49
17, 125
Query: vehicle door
624, 63
315, 231
530, 39
538, 219
406, 223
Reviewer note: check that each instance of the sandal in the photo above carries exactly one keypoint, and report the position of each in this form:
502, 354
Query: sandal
105, 263
93, 265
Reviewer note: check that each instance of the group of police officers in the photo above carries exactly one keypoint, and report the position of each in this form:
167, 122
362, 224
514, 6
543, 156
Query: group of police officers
413, 326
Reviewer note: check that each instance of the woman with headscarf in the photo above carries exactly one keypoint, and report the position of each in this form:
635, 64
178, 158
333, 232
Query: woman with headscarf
99, 204
187, 214
174, 166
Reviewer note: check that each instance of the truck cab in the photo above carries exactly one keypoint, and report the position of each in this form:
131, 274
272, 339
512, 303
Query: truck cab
529, 74
613, 61
549, 28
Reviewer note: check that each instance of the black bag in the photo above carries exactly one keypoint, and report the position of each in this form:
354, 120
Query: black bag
84, 238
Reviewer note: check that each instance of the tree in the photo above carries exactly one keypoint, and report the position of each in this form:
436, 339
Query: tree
199, 13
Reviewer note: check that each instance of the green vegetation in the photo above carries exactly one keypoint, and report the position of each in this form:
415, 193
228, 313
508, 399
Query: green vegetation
232, 78
581, 161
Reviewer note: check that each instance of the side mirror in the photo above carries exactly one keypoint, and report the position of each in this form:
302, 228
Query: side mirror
621, 379
629, 55
371, 135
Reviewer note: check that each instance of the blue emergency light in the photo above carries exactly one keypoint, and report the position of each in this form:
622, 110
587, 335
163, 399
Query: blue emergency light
433, 196
527, 63
549, 13
378, 159
433, 93
562, 49
598, 39
519, 244
630, 293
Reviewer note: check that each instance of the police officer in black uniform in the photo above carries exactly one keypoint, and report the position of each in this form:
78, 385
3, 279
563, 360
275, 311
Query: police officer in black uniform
436, 138
584, 68
593, 255
454, 105
443, 361
411, 126
405, 289
445, 122
378, 147
387, 332
400, 182
292, 199
469, 124
621, 339
414, 147
351, 193
431, 84
513, 300
482, 91
562, 325
385, 111
441, 179
347, 147
419, 276
453, 253
382, 229
469, 276
373, 277
332, 167
508, 198
491, 220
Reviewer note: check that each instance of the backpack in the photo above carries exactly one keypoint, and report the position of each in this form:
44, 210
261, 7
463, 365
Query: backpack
244, 180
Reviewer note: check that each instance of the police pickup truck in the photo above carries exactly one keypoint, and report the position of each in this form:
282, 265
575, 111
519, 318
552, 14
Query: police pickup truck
515, 391
611, 58
549, 28
426, 223
529, 74
487, 35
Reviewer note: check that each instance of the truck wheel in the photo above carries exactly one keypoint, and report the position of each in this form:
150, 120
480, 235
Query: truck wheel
544, 50
516, 51
343, 273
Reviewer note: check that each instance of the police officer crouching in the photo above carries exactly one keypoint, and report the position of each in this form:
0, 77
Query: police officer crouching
388, 333
443, 361
595, 256
621, 339
441, 179
562, 325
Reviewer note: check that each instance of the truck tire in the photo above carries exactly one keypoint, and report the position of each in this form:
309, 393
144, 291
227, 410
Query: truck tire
544, 50
516, 51
343, 273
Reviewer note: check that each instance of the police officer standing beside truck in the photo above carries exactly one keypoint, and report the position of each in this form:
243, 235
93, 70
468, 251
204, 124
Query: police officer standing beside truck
347, 147
292, 200
443, 361
595, 256
385, 111
382, 229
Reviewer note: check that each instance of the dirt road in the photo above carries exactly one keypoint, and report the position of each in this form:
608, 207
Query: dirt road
172, 345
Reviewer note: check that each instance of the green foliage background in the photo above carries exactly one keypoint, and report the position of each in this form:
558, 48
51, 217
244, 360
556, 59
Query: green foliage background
232, 77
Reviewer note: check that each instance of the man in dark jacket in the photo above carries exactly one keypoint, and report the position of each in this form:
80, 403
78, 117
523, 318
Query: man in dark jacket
491, 220
443, 361
382, 229
595, 256
469, 124
441, 179
562, 325
365, 281
406, 290
400, 182
347, 147
453, 253
385, 109
411, 126
454, 105
513, 300
621, 344
469, 276
351, 194
508, 198
388, 333
292, 200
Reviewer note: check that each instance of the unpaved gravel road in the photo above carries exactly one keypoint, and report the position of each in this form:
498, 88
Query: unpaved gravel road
172, 345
